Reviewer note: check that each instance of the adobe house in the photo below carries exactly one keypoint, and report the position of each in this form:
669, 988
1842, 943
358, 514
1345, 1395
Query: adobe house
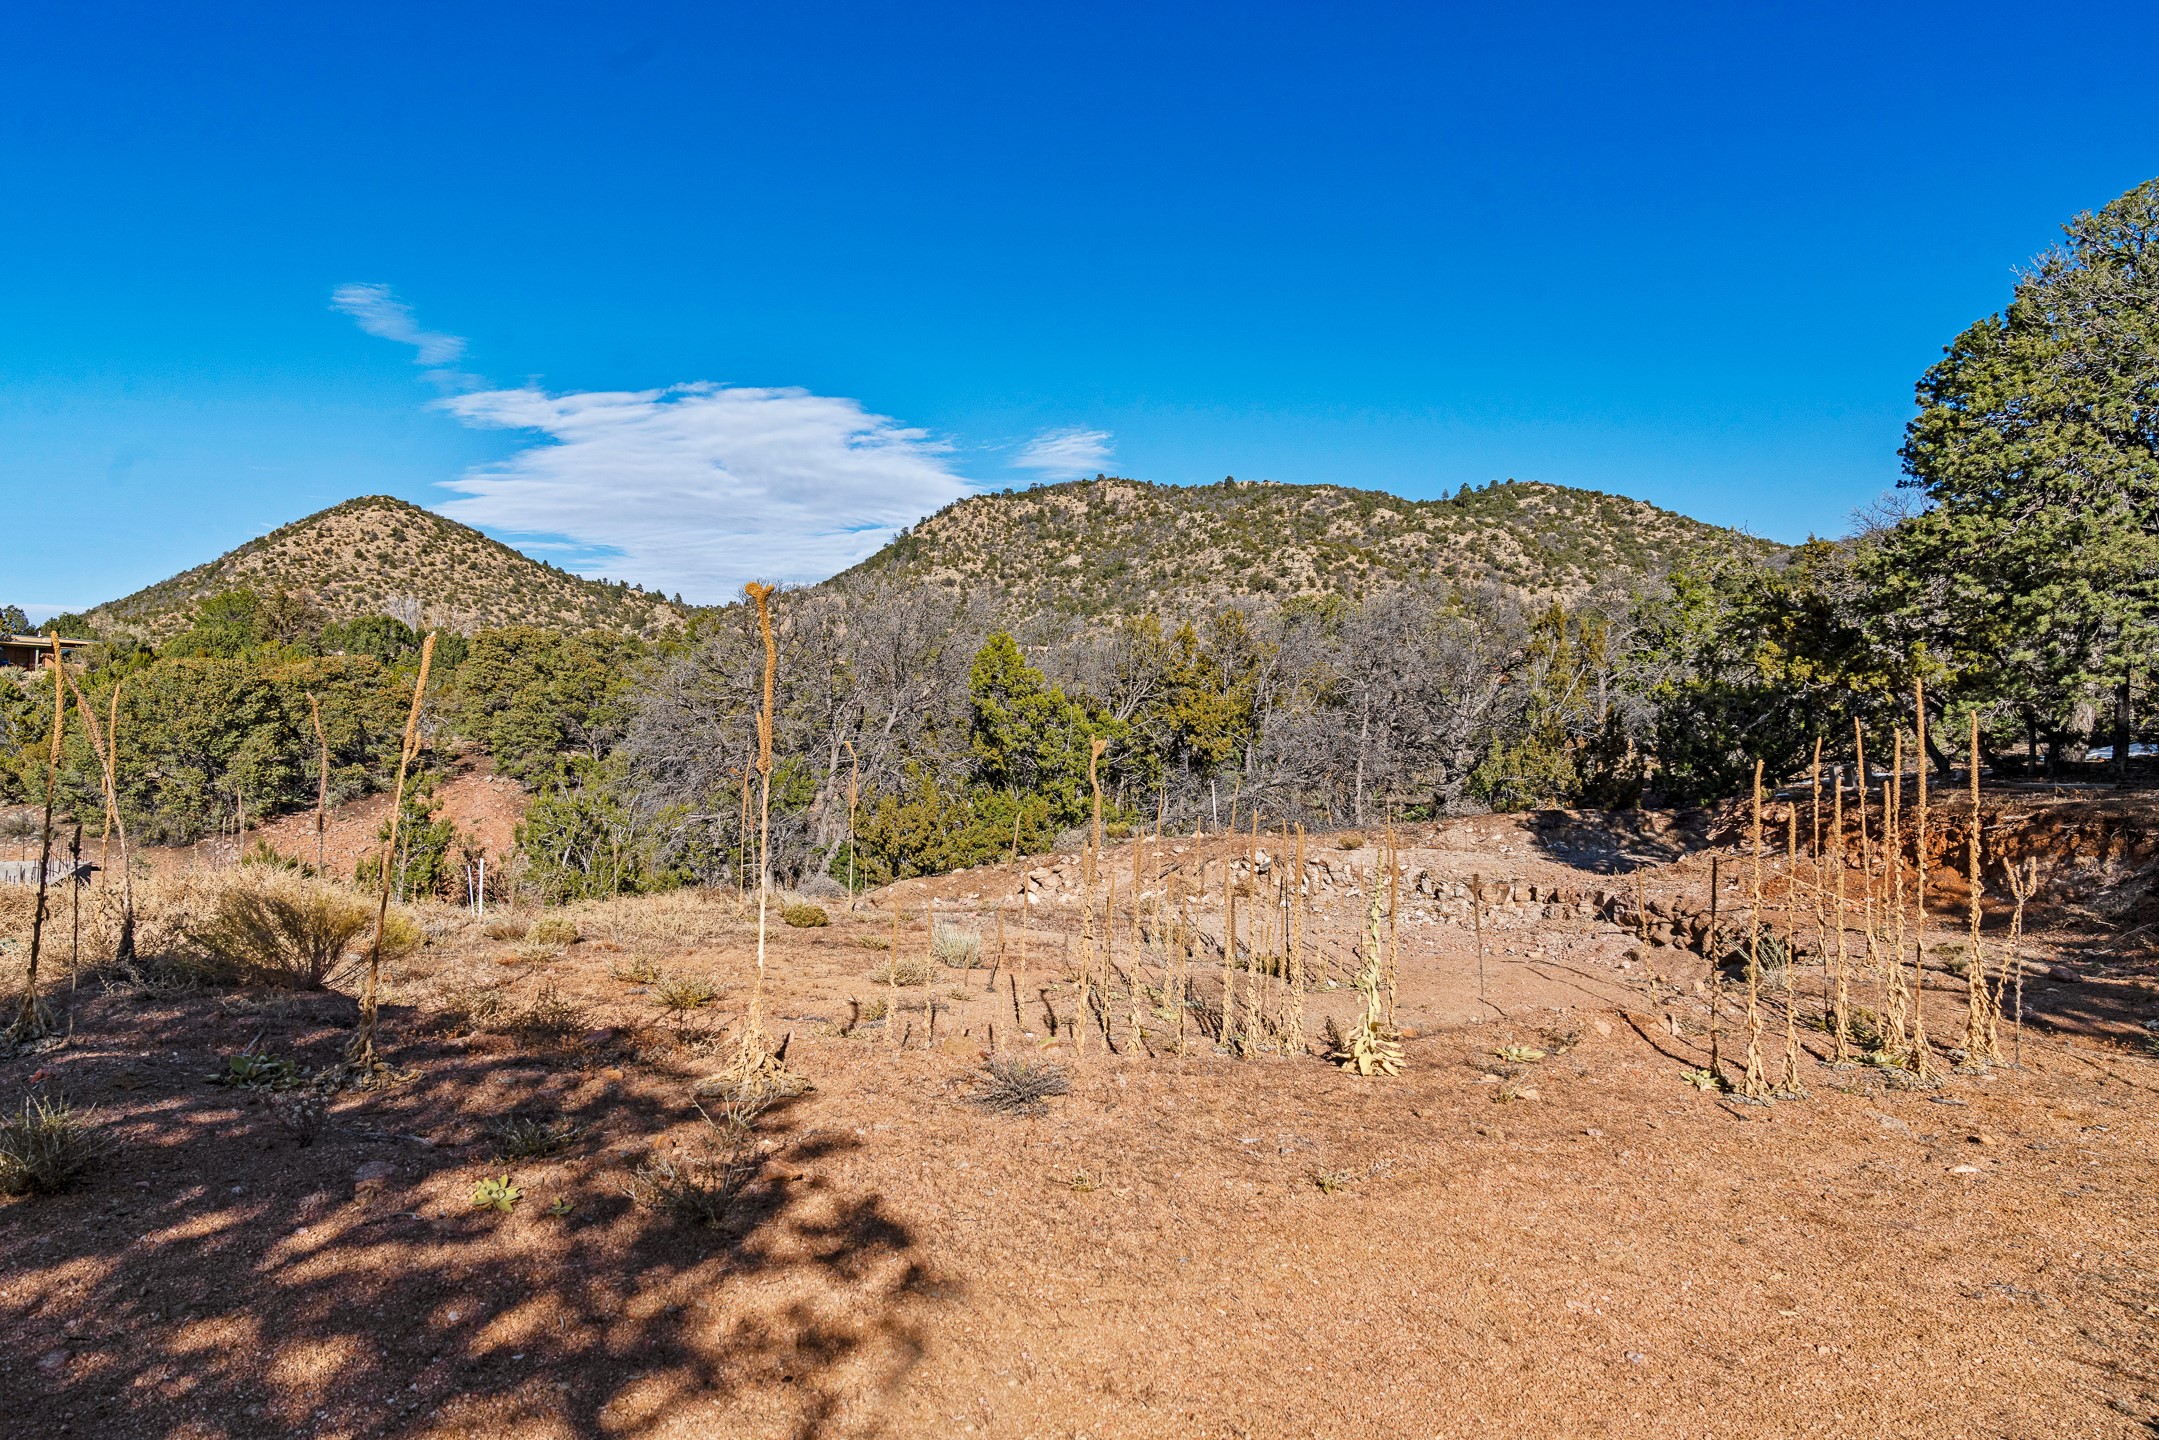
31, 652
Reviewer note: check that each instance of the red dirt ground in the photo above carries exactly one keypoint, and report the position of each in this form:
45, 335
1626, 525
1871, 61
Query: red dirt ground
1154, 1254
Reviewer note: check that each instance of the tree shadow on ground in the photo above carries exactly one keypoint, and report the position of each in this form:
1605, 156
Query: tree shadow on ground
1616, 842
215, 1279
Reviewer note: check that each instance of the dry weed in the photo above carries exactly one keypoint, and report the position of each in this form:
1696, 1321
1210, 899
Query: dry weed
47, 1147
1018, 1084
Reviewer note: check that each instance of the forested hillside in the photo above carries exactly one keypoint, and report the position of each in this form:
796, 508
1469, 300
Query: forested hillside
381, 556
1311, 654
1112, 546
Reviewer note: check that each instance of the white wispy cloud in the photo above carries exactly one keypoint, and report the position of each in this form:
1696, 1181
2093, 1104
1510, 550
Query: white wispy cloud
1073, 450
697, 488
376, 310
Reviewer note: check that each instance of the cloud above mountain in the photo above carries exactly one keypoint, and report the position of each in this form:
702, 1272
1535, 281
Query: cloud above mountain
697, 488
1066, 453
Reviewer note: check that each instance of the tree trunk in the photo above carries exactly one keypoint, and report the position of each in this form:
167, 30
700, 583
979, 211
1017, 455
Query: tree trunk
2121, 732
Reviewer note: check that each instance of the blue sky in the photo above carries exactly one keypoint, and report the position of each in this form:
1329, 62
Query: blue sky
687, 295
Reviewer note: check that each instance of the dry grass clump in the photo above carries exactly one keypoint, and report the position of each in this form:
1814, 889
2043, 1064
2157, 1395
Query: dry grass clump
1349, 841
704, 1185
462, 1010
638, 970
268, 928
1018, 1084
680, 994
549, 1020
47, 1147
904, 970
960, 949
553, 930
301, 1114
527, 1137
805, 916
505, 929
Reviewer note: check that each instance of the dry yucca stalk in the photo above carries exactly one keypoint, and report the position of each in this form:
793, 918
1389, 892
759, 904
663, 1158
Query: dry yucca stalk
1817, 889
1922, 1059
1840, 1003
1086, 955
753, 1033
1895, 999
1476, 922
1394, 919
1255, 1013
322, 777
2023, 883
1229, 953
854, 786
124, 946
1755, 1085
892, 978
759, 1068
1371, 1048
1716, 975
1789, 1082
1293, 1005
1982, 1010
28, 1017
362, 1050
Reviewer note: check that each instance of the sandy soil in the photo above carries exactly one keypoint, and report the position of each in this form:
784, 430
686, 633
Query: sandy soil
1185, 1244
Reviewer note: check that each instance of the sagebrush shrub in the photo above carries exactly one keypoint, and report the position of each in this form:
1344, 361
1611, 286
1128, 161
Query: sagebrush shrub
961, 949
553, 930
904, 970
805, 916
273, 929
1018, 1084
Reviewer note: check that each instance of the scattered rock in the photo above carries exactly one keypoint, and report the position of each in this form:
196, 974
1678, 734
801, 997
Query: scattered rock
374, 1172
1980, 1137
52, 1362
1604, 1027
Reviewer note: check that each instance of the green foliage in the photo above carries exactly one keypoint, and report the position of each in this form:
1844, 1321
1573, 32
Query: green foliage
931, 828
13, 621
197, 733
388, 640
1026, 735
252, 1070
2034, 573
582, 839
421, 863
496, 1194
805, 916
533, 697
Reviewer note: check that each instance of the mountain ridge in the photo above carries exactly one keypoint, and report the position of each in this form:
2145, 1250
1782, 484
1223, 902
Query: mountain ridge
1090, 547
378, 555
